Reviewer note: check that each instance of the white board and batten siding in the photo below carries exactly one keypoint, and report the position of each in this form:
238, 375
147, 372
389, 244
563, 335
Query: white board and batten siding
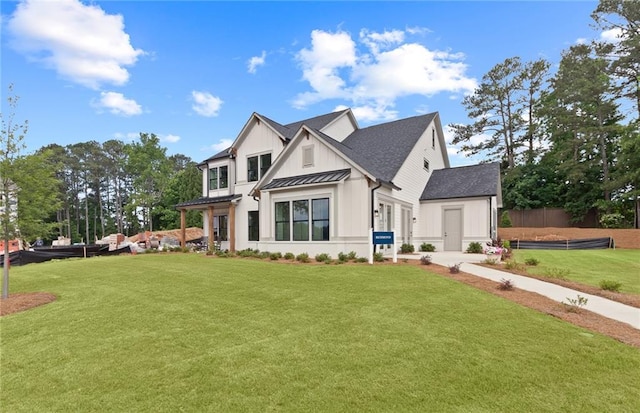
340, 128
259, 139
347, 200
475, 214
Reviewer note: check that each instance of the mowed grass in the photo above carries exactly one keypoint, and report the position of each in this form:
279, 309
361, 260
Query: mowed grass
185, 332
588, 266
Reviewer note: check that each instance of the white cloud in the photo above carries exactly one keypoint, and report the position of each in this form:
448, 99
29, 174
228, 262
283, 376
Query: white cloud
169, 138
205, 104
582, 40
81, 42
320, 65
221, 145
376, 41
255, 62
374, 76
129, 136
117, 104
418, 30
374, 113
612, 36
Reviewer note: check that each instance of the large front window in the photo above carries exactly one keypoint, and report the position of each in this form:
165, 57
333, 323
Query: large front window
219, 177
282, 221
257, 166
301, 220
320, 221
294, 220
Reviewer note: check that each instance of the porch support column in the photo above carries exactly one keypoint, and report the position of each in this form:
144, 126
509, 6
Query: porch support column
183, 229
232, 227
210, 240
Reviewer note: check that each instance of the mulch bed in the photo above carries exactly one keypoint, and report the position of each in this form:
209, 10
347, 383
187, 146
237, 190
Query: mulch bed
632, 300
622, 332
24, 301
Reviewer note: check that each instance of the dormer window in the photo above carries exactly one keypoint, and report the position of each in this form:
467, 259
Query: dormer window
218, 177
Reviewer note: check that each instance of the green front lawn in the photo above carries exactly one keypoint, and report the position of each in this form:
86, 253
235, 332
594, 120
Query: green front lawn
185, 332
588, 266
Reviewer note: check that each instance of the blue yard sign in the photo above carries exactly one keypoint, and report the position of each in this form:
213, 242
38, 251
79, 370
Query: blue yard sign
382, 237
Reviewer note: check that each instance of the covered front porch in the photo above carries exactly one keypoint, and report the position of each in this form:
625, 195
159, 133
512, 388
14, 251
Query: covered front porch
219, 220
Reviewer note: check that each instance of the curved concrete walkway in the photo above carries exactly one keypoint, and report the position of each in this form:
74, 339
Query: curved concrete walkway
608, 308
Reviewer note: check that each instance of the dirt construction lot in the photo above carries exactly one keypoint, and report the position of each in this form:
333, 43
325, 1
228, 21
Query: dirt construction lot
623, 238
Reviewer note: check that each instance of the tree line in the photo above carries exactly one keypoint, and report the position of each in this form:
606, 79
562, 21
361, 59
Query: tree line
566, 139
569, 139
120, 187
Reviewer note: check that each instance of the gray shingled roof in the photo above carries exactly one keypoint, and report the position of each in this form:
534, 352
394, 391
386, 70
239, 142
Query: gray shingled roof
220, 155
463, 182
317, 122
382, 149
315, 178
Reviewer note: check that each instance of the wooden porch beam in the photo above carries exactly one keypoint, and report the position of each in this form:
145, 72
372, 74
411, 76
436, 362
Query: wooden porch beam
183, 228
232, 227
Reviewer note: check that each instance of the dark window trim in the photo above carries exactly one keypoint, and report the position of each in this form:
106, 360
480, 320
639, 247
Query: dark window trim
253, 225
311, 220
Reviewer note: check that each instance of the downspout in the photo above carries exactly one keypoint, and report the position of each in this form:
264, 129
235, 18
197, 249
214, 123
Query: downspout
373, 205
490, 221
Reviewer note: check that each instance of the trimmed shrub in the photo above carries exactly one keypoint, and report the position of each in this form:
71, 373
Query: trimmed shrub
610, 285
274, 256
424, 247
378, 257
455, 268
559, 273
474, 248
323, 257
304, 257
352, 255
289, 256
506, 285
407, 248
425, 260
514, 266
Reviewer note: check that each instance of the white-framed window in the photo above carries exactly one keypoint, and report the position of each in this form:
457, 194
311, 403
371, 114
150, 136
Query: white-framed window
219, 177
257, 166
302, 220
307, 156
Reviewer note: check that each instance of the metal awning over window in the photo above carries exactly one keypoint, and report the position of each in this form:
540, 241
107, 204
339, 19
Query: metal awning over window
317, 178
204, 201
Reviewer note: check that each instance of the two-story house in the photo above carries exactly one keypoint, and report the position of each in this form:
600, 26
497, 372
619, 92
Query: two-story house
321, 184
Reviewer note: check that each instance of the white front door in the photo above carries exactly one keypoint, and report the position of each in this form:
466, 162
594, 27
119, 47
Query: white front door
452, 230
407, 221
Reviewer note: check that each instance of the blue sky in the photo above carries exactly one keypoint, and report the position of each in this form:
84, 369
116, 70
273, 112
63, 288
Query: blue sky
192, 72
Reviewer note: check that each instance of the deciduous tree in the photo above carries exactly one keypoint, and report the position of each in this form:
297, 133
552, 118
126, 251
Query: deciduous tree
27, 187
